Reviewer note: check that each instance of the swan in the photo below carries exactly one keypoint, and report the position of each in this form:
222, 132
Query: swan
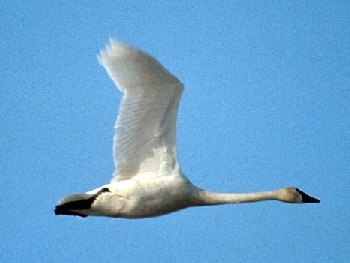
148, 181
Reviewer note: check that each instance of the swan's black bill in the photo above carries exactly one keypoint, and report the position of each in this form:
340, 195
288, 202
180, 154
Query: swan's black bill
307, 198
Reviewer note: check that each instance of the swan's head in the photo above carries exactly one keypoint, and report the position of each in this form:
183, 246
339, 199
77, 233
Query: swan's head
296, 196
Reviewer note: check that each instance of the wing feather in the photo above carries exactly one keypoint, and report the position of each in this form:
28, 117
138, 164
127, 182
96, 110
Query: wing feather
145, 138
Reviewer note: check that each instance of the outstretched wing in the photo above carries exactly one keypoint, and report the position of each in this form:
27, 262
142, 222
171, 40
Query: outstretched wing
145, 139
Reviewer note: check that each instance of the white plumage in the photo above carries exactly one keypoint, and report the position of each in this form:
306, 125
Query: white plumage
148, 181
144, 143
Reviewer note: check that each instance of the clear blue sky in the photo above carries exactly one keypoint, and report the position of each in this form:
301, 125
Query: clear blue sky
266, 105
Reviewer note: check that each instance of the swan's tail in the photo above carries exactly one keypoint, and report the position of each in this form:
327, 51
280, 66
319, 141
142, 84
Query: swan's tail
71, 204
75, 204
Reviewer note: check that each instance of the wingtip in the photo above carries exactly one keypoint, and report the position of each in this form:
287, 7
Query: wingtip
113, 47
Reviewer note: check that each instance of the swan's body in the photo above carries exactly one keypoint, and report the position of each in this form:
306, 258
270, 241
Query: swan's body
148, 181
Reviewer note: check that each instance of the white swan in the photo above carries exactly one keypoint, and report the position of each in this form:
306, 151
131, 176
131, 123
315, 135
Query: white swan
148, 181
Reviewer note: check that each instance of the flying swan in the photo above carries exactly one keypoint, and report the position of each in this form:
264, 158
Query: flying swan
148, 181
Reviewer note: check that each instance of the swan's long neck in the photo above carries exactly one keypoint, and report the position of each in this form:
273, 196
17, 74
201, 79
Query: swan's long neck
211, 198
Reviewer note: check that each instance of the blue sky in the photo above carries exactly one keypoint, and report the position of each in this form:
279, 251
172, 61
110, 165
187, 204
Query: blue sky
266, 105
